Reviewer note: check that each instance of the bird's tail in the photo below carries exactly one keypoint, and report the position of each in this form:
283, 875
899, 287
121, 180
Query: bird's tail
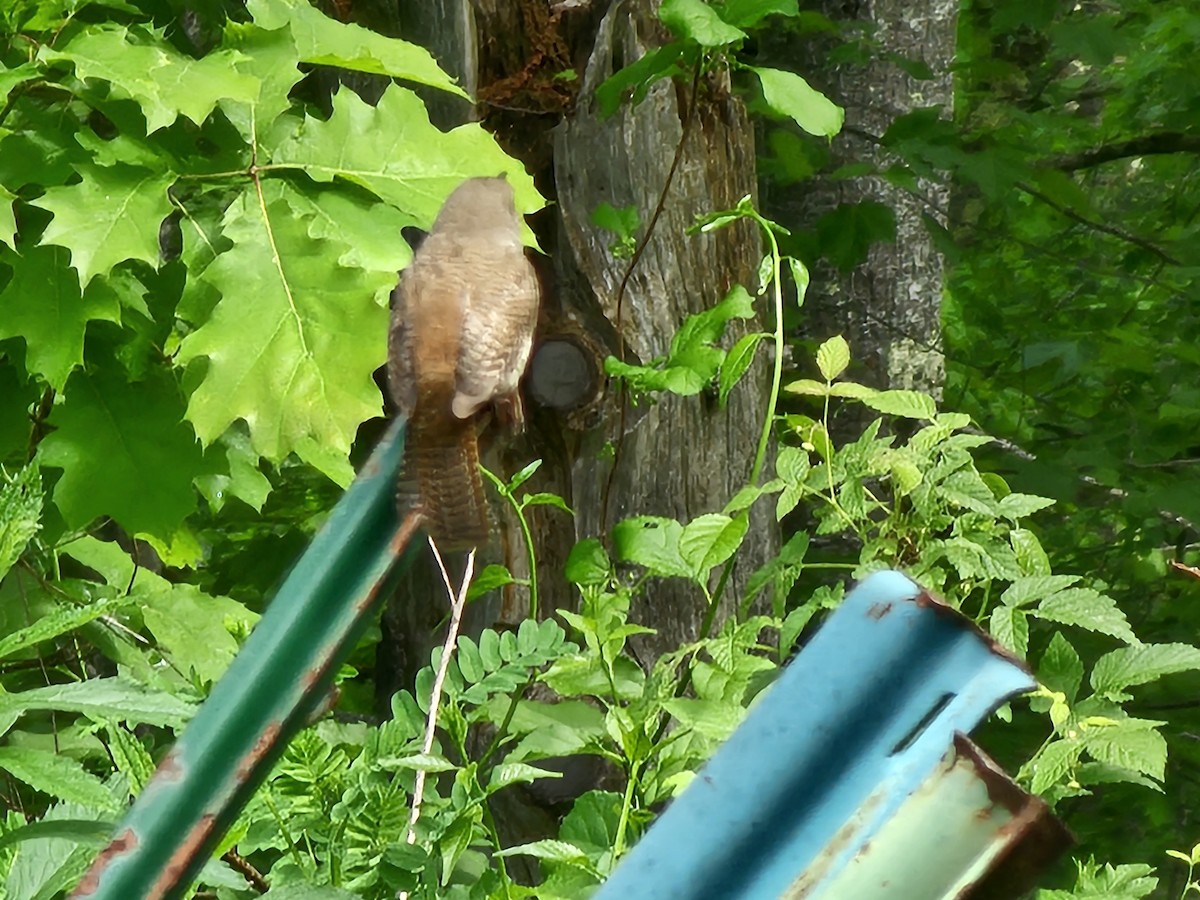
441, 475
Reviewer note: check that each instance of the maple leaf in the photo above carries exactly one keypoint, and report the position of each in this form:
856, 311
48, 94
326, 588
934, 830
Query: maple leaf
8, 220
291, 344
162, 81
125, 452
370, 231
325, 41
42, 304
112, 215
394, 151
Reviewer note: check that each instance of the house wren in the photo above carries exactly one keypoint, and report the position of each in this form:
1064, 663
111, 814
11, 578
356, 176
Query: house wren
462, 327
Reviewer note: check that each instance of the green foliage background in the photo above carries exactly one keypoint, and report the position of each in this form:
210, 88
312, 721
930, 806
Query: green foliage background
195, 258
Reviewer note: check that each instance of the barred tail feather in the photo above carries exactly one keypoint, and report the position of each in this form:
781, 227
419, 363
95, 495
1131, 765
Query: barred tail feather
441, 475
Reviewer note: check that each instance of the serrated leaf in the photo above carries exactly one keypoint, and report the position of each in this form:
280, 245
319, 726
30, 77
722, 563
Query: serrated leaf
103, 699
833, 356
807, 387
421, 762
42, 304
1010, 626
1030, 589
10, 78
61, 621
1029, 553
1088, 609
736, 362
909, 404
789, 95
125, 452
516, 773
328, 42
58, 776
652, 542
8, 218
130, 757
163, 82
851, 390
292, 344
698, 21
375, 147
710, 540
1053, 764
1131, 744
20, 519
1018, 506
112, 215
1060, 668
369, 232
1129, 666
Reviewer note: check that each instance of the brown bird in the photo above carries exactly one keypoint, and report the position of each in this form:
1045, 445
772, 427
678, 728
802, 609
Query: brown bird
462, 327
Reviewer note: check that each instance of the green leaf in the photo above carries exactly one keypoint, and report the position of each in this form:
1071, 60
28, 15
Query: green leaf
1054, 764
376, 147
59, 776
493, 576
736, 362
698, 21
103, 699
8, 218
748, 13
833, 356
588, 563
1024, 591
1060, 668
652, 542
634, 81
1130, 744
1128, 666
789, 95
17, 75
78, 831
125, 452
909, 404
516, 773
1087, 609
1028, 550
42, 304
63, 620
20, 519
112, 215
1010, 626
1018, 506
292, 344
710, 540
368, 232
328, 42
163, 82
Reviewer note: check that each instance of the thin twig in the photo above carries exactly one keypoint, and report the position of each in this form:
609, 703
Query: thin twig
458, 602
684, 134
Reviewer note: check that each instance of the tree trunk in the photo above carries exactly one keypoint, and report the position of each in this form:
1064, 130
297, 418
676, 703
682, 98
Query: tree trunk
679, 457
888, 308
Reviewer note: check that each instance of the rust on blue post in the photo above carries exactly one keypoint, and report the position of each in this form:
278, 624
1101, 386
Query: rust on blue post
865, 721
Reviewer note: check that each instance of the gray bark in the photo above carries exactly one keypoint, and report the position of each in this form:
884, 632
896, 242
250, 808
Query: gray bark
680, 457
889, 308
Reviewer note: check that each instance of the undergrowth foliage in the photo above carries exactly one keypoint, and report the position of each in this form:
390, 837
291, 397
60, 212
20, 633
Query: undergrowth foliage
155, 181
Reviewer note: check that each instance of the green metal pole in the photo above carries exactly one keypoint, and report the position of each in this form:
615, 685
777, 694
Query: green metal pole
282, 674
